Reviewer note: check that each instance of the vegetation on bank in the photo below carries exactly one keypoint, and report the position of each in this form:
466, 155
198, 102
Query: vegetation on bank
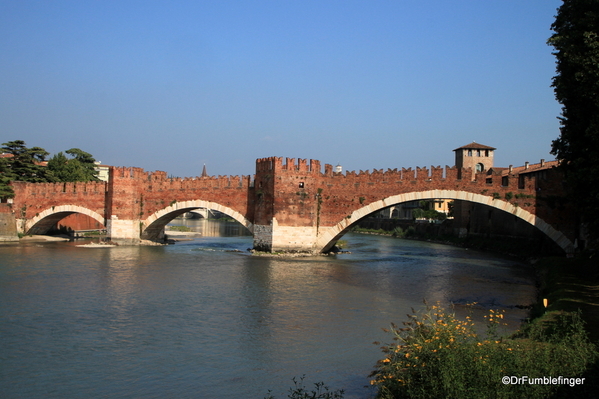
511, 246
396, 232
180, 228
436, 355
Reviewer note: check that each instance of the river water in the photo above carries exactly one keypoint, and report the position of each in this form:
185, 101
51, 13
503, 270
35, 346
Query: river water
201, 320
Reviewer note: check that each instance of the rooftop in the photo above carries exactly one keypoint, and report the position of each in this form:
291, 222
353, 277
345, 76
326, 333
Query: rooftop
475, 146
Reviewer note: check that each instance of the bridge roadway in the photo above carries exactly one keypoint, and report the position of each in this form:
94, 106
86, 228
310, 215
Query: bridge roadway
291, 205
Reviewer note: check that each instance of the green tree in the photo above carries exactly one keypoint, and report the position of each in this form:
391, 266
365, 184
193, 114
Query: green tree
25, 164
425, 212
79, 168
576, 86
5, 190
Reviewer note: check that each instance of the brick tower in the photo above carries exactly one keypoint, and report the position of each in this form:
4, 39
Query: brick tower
476, 156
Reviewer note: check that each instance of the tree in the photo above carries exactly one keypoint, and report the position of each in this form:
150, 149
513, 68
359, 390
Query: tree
576, 86
25, 164
5, 190
29, 164
79, 168
425, 212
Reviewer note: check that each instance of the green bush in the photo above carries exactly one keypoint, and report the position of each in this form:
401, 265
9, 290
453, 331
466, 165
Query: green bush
435, 355
398, 232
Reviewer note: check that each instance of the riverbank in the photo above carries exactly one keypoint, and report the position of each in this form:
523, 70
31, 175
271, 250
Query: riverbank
566, 286
505, 246
437, 355
551, 342
569, 285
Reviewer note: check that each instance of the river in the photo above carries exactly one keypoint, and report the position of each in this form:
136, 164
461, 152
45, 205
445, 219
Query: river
205, 319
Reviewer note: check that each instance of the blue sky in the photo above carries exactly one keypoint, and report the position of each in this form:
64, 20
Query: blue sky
171, 85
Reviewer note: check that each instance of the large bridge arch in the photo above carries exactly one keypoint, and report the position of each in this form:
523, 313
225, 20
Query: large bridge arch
329, 236
153, 226
44, 220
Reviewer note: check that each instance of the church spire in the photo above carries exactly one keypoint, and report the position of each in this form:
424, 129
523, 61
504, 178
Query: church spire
204, 174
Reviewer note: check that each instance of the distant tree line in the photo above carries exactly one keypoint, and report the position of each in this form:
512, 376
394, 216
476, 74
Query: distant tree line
424, 211
20, 163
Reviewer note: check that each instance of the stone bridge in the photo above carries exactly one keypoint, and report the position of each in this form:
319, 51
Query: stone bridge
292, 205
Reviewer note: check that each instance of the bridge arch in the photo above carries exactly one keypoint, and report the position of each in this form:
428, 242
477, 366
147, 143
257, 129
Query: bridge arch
44, 221
329, 236
153, 226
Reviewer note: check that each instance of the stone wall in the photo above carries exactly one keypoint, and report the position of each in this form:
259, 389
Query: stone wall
8, 225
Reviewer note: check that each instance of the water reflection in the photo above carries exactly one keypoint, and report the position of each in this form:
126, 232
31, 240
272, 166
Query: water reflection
188, 319
212, 228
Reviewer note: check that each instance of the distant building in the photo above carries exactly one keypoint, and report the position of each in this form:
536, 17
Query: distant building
338, 169
103, 171
405, 209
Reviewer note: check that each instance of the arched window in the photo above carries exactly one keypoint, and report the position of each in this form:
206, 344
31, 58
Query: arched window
480, 167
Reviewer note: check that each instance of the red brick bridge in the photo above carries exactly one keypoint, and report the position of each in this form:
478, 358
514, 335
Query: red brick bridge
292, 205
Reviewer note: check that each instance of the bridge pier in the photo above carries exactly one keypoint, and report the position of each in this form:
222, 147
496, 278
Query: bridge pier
123, 231
277, 238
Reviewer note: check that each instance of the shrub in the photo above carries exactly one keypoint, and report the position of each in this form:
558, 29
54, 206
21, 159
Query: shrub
438, 356
398, 232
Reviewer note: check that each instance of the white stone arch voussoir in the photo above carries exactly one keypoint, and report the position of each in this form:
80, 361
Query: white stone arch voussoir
63, 209
194, 204
327, 235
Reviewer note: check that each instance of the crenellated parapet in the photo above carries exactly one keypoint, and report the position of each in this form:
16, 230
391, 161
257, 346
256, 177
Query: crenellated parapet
54, 188
276, 164
291, 203
33, 198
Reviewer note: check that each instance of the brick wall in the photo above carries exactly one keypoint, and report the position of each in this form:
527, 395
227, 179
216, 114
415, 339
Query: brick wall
294, 193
